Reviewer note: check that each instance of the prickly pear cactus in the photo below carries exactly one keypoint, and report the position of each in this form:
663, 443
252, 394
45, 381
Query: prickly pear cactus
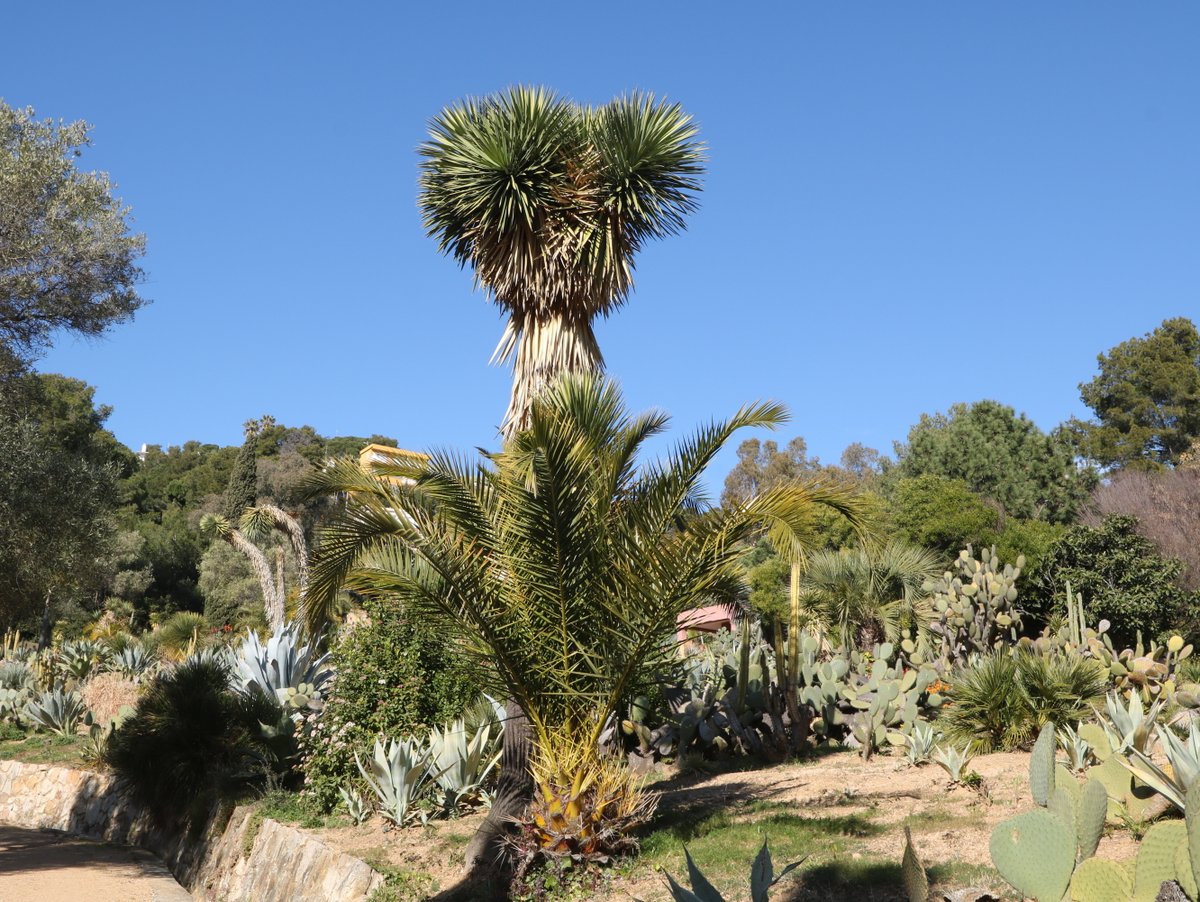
1191, 818
1156, 859
975, 605
1090, 815
1035, 852
1041, 766
1098, 880
916, 881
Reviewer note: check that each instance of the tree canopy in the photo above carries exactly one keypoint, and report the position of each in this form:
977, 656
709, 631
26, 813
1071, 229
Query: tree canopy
1001, 456
1146, 399
1123, 578
68, 259
58, 493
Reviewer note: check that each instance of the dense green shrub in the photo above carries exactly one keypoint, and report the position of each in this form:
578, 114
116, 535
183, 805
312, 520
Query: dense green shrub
1123, 579
192, 741
1001, 700
941, 513
394, 675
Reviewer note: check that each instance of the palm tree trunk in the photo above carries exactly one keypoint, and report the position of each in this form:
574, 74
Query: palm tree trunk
545, 348
485, 850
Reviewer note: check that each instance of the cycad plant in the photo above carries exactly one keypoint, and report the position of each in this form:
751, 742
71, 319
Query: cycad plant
558, 563
549, 202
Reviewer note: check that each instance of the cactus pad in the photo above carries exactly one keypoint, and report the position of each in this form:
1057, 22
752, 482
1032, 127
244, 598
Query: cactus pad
1062, 805
1093, 734
916, 882
1097, 880
1089, 817
1156, 859
1041, 766
1191, 814
1035, 852
1183, 871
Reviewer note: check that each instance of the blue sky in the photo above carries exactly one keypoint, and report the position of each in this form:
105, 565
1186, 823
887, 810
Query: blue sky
907, 205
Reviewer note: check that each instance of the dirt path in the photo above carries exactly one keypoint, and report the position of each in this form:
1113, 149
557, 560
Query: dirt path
44, 866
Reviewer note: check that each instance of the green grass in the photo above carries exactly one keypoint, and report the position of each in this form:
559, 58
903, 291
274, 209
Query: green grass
399, 885
294, 808
724, 841
44, 748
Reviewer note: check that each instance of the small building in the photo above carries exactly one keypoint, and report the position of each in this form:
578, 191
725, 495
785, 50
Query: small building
709, 619
373, 454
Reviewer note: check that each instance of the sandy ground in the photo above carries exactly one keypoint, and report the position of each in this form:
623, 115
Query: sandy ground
44, 866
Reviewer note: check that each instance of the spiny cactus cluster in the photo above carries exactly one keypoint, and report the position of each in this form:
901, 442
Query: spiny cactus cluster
887, 700
1149, 671
760, 700
975, 606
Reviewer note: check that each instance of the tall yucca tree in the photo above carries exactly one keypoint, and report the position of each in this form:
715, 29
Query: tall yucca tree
561, 562
549, 202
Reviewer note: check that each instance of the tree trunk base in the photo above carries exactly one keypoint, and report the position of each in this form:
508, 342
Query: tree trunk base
485, 853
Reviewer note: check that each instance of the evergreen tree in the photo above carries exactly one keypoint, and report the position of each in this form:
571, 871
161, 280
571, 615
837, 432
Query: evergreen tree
1146, 399
242, 490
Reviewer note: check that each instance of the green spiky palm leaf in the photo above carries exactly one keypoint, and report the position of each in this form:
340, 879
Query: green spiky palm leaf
559, 562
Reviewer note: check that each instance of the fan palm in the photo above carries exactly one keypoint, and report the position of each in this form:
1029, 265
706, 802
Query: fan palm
559, 563
868, 593
549, 202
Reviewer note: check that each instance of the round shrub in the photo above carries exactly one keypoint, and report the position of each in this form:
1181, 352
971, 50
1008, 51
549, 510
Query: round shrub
394, 676
191, 741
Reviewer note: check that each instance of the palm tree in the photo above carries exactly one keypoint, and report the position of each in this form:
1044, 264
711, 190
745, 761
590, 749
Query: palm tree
869, 593
549, 202
559, 563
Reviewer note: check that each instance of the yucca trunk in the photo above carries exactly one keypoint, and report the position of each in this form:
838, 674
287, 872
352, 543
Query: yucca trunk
544, 347
272, 600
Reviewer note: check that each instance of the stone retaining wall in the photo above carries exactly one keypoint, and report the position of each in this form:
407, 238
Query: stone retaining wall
284, 864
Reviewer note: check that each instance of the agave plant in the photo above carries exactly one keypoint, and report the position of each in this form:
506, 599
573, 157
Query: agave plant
1183, 758
399, 773
15, 675
221, 656
920, 742
356, 805
57, 711
1128, 726
762, 878
283, 663
952, 760
1078, 750
12, 702
462, 765
133, 661
82, 658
